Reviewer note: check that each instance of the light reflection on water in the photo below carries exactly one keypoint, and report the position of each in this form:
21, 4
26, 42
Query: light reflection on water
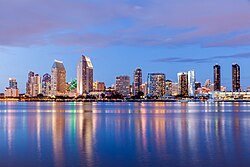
123, 107
124, 134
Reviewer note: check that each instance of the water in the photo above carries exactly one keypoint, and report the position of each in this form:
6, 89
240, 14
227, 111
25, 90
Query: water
124, 134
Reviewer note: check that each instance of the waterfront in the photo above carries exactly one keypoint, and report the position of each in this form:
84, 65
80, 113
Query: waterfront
124, 134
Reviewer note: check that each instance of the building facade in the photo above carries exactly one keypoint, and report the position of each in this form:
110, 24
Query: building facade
183, 84
58, 79
175, 89
236, 78
169, 88
217, 78
137, 83
33, 85
191, 83
122, 85
36, 85
84, 76
12, 90
156, 84
99, 86
46, 84
144, 88
29, 82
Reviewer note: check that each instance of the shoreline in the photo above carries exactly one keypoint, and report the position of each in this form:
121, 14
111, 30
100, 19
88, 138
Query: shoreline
118, 100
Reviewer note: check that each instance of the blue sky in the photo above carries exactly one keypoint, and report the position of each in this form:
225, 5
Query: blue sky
119, 35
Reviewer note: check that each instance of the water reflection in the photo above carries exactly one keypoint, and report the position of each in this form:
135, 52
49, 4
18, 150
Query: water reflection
100, 139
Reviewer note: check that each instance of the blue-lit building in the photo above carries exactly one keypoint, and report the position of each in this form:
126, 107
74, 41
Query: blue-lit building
156, 84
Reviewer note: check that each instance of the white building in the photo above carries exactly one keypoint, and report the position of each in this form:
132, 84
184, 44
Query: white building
33, 85
58, 79
12, 90
36, 85
84, 76
191, 83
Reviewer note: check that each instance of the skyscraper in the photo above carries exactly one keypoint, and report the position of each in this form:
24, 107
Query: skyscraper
58, 79
36, 85
191, 83
183, 84
168, 89
46, 84
122, 85
84, 76
28, 84
235, 77
137, 81
33, 85
156, 84
217, 78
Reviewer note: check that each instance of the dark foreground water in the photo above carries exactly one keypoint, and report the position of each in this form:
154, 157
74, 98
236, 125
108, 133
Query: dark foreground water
125, 134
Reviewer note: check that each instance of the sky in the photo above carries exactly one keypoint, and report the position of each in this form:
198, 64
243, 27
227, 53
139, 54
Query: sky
166, 36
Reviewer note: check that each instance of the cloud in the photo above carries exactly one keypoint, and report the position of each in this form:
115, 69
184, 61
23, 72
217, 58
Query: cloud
111, 22
239, 40
201, 60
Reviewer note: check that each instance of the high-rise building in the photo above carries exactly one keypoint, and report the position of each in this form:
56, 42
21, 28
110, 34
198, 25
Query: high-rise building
183, 84
33, 85
12, 83
217, 78
122, 85
36, 85
137, 81
29, 82
84, 76
191, 83
58, 79
156, 84
12, 90
235, 77
168, 89
46, 84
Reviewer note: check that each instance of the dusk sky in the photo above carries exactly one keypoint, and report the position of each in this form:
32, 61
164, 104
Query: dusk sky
166, 36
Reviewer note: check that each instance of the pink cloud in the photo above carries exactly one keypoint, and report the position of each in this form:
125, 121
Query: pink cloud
154, 22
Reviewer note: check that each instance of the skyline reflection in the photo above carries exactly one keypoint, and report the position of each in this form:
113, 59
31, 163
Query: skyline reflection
64, 138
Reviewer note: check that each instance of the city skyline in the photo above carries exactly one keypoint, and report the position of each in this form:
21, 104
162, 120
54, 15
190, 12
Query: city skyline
156, 35
124, 83
86, 64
